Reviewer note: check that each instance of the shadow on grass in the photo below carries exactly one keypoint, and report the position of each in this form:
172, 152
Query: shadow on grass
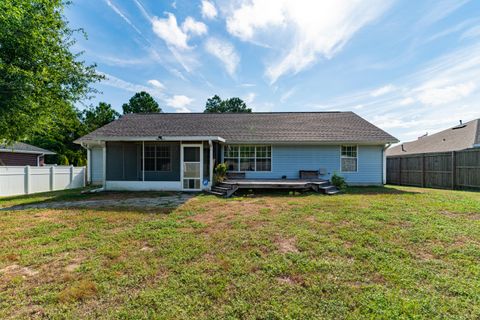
373, 190
102, 201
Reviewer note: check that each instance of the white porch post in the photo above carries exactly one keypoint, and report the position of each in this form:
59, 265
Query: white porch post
89, 166
104, 155
143, 160
210, 184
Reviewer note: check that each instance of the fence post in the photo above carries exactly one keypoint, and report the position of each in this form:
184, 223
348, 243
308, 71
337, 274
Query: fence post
27, 180
71, 177
454, 170
400, 171
423, 170
52, 178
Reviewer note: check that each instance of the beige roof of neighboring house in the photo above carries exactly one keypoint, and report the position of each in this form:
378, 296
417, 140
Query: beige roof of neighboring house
456, 138
21, 147
314, 127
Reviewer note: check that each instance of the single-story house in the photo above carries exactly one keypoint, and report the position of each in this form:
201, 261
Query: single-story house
22, 154
178, 151
460, 137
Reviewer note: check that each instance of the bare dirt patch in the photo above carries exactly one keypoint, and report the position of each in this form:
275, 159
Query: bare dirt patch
286, 245
17, 270
160, 202
462, 215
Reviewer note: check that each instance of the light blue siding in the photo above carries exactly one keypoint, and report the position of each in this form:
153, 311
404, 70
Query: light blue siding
288, 160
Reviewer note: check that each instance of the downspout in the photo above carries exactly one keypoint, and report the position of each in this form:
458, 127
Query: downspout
384, 163
38, 159
210, 171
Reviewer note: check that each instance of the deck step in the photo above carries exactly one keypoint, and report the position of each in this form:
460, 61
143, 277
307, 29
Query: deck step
222, 191
216, 193
332, 192
220, 188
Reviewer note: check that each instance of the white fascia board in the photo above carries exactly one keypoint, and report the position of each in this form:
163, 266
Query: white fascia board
365, 143
25, 151
157, 138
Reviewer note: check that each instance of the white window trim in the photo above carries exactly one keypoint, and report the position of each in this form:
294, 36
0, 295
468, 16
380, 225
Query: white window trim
249, 145
155, 145
357, 157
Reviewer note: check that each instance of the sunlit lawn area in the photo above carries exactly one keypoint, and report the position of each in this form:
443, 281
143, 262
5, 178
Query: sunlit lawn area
370, 253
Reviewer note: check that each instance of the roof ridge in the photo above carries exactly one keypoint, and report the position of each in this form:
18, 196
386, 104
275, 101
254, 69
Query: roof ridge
237, 113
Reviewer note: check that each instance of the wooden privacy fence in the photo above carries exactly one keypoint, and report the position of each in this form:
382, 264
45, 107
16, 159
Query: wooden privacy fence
446, 170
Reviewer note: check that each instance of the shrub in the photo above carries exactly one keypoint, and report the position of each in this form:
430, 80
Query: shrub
220, 172
63, 160
339, 181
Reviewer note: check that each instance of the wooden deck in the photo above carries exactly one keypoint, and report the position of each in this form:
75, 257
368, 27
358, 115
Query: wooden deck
228, 187
276, 183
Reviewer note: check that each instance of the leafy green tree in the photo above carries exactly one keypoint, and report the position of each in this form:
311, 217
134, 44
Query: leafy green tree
141, 102
96, 117
216, 105
40, 78
59, 138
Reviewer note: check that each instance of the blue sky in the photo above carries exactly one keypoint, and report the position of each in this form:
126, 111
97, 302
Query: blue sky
409, 67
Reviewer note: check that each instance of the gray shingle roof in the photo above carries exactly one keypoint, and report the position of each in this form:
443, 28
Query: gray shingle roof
247, 127
452, 139
24, 147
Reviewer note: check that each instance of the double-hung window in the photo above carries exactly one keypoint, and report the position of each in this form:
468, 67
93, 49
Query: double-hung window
157, 158
248, 158
349, 158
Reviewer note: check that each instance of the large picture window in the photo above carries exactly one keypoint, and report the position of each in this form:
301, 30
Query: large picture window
349, 158
248, 158
157, 158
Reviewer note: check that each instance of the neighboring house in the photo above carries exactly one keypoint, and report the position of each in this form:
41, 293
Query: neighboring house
178, 151
22, 154
460, 137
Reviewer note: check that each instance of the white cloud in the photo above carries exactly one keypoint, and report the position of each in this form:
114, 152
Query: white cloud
209, 11
142, 10
383, 90
406, 101
433, 98
225, 52
286, 95
192, 26
121, 15
473, 32
179, 103
250, 97
157, 84
444, 95
168, 30
309, 29
130, 87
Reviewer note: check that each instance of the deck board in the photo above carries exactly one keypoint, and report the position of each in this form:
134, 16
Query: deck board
275, 183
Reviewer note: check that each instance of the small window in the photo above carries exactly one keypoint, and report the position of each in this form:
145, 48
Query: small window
349, 159
157, 158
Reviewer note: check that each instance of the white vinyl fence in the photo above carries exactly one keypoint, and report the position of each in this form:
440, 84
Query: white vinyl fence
27, 179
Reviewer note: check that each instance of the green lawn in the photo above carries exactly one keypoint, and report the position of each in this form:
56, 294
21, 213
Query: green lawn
370, 253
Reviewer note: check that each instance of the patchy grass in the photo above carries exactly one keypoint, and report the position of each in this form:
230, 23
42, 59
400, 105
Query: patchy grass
370, 253
74, 194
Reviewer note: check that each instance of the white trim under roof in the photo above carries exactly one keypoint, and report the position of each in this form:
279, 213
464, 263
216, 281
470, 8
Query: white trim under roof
28, 151
155, 138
